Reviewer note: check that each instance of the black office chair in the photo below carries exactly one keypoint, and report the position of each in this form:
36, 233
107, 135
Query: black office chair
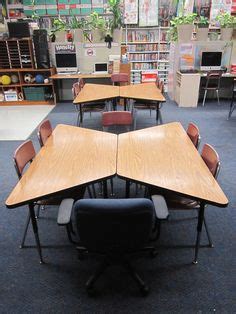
115, 229
212, 84
232, 104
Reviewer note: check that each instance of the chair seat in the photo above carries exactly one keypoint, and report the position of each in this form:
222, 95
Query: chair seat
175, 201
211, 87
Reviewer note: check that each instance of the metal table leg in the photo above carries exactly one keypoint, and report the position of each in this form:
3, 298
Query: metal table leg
127, 189
199, 230
35, 229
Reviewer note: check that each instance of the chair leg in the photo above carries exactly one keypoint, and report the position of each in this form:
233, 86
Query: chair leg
208, 233
25, 231
143, 287
204, 98
94, 191
99, 271
89, 192
231, 109
218, 99
69, 231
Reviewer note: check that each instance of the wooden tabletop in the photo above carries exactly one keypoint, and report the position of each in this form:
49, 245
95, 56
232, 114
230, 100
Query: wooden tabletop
93, 92
71, 157
147, 91
165, 157
76, 76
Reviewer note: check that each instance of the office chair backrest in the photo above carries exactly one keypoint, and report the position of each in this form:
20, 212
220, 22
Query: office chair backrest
213, 77
119, 78
194, 134
44, 131
114, 225
211, 159
24, 154
116, 118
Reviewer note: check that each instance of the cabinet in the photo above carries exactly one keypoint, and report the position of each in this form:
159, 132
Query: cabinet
148, 51
23, 90
16, 54
185, 94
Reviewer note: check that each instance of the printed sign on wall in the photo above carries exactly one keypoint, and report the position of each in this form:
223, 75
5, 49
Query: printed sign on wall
131, 11
64, 48
148, 12
218, 6
90, 52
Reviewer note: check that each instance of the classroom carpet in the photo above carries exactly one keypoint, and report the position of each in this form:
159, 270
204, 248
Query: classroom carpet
176, 285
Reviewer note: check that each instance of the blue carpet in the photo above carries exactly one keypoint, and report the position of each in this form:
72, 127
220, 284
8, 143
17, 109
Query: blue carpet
176, 285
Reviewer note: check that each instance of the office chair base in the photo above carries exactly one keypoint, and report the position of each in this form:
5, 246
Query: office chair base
144, 289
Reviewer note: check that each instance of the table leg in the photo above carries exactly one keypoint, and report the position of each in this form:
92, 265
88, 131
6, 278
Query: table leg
125, 104
81, 113
199, 230
157, 112
35, 229
127, 189
105, 195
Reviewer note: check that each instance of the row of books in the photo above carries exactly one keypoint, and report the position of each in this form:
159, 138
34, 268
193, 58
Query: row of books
143, 57
147, 36
144, 66
142, 47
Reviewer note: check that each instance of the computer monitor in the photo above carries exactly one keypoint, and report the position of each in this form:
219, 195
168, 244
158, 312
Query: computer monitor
211, 60
18, 29
66, 62
101, 68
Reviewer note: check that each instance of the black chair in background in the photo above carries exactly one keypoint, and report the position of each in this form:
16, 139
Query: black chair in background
212, 84
115, 229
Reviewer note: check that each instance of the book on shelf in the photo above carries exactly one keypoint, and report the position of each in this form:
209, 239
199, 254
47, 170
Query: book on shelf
145, 36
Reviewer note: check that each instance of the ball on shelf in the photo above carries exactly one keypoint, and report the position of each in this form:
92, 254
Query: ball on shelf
14, 79
39, 79
28, 78
46, 81
6, 80
1, 97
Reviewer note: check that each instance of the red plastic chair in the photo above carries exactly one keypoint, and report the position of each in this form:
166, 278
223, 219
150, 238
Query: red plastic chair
115, 118
44, 131
118, 78
194, 134
97, 106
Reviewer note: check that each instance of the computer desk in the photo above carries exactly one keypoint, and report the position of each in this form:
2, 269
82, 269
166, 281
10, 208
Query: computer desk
58, 78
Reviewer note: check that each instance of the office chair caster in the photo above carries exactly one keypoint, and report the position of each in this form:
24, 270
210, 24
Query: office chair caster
144, 290
91, 291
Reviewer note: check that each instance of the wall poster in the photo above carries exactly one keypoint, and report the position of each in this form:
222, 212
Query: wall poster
148, 12
131, 11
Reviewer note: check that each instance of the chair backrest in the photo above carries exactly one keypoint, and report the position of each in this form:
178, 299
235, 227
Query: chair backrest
117, 118
194, 134
213, 77
24, 154
76, 87
211, 159
119, 78
44, 131
114, 225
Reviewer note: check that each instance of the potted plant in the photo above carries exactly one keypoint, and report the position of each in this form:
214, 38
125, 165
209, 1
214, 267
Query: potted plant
202, 28
115, 22
183, 25
59, 30
227, 23
96, 25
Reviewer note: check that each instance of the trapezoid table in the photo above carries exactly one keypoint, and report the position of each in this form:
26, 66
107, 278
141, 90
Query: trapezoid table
164, 157
71, 157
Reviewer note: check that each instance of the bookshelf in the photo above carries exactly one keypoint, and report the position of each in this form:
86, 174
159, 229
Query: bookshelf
148, 51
